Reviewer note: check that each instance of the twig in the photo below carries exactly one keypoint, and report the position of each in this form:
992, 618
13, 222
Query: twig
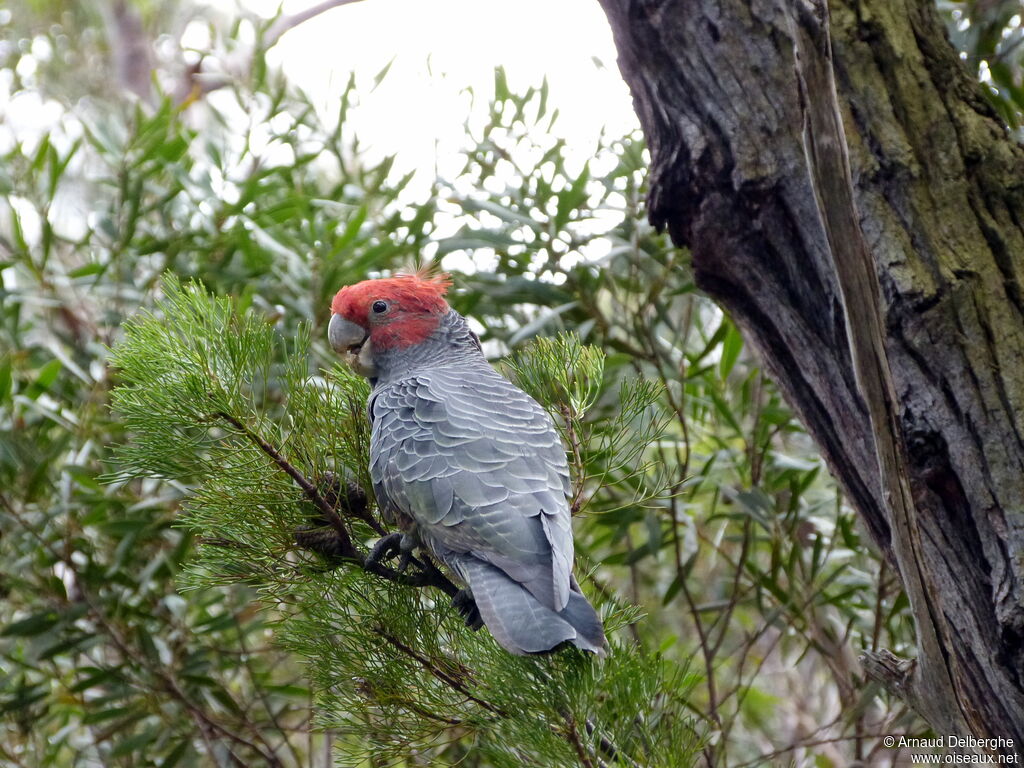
606, 745
314, 495
741, 562
260, 692
574, 739
577, 459
206, 725
286, 23
426, 577
371, 521
708, 655
441, 675
198, 83
610, 750
762, 759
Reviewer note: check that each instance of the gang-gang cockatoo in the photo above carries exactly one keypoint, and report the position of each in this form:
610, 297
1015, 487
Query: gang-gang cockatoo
469, 465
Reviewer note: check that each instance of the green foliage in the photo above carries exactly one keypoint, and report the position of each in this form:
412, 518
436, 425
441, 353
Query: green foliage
989, 36
103, 660
608, 456
396, 669
204, 387
724, 527
560, 372
701, 503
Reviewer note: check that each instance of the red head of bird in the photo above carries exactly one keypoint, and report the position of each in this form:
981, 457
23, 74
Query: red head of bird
384, 314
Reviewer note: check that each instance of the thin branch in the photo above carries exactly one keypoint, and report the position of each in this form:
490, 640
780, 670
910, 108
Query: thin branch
767, 757
449, 680
206, 725
607, 746
286, 23
610, 750
427, 576
261, 694
579, 474
198, 83
314, 495
574, 739
741, 562
708, 655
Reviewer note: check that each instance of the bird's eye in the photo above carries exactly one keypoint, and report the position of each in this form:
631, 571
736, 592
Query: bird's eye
380, 306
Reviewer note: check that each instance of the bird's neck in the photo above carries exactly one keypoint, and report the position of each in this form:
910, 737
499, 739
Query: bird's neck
451, 344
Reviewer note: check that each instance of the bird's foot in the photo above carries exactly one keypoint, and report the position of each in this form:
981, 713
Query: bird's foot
392, 545
464, 603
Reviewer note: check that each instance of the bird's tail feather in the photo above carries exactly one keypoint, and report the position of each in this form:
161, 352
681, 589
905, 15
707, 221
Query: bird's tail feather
518, 620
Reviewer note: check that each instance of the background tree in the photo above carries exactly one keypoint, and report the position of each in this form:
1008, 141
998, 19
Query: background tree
725, 531
749, 168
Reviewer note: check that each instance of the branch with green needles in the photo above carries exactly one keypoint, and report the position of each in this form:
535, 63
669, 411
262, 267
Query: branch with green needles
273, 456
426, 575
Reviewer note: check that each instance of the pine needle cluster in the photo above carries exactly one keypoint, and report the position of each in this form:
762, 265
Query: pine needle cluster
567, 377
271, 448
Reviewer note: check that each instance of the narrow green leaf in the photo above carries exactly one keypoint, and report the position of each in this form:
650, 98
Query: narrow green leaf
732, 345
32, 625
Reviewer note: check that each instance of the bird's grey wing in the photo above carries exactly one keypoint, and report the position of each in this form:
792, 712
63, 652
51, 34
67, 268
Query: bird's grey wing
479, 466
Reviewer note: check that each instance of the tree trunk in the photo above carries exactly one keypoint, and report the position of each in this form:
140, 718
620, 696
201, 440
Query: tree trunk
735, 98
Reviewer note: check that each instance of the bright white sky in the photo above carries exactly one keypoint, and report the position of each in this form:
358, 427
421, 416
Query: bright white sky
442, 46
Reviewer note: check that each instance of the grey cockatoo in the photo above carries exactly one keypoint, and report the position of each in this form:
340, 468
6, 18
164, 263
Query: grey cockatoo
469, 465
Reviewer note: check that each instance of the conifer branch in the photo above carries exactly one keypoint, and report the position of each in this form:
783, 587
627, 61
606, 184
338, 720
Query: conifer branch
574, 739
428, 575
579, 466
606, 746
609, 749
200, 364
348, 550
450, 680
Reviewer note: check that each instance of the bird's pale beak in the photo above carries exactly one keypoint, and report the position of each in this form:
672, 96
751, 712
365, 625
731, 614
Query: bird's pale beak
344, 335
353, 344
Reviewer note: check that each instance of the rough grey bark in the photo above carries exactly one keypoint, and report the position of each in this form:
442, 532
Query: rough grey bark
731, 94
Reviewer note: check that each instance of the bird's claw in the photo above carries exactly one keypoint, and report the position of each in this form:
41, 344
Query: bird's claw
388, 547
464, 603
